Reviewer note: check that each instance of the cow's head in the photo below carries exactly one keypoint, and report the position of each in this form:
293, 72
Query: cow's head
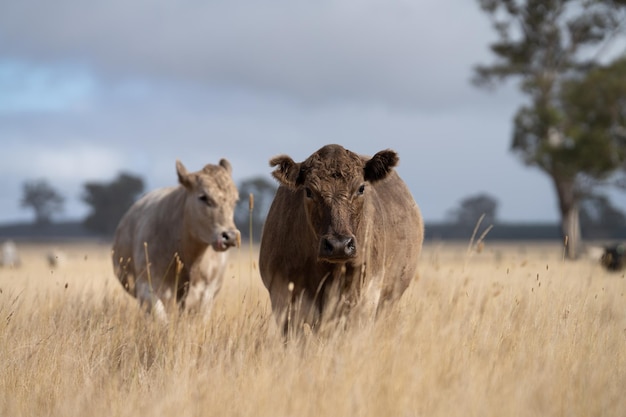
333, 184
210, 201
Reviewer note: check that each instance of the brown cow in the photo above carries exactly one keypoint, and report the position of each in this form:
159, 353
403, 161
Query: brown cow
169, 248
343, 231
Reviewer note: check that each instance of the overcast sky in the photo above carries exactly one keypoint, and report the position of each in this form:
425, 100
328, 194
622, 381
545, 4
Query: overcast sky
90, 89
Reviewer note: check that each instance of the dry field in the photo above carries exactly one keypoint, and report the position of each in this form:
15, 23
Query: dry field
511, 331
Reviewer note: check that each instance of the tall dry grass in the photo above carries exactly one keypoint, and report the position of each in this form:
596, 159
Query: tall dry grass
512, 331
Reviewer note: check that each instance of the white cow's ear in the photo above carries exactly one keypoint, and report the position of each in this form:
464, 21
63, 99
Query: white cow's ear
226, 165
183, 175
380, 165
287, 172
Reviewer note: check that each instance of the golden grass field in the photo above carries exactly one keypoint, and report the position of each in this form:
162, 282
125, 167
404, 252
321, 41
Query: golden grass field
511, 331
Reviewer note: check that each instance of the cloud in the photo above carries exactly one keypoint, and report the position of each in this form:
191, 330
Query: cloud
398, 53
27, 88
63, 164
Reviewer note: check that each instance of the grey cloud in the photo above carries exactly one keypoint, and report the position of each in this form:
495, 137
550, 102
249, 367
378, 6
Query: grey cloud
393, 52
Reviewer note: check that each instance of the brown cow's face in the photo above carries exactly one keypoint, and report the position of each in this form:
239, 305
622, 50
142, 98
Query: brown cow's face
210, 204
333, 184
334, 210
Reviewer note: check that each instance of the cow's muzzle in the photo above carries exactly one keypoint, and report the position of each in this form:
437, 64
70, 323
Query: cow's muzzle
337, 248
227, 239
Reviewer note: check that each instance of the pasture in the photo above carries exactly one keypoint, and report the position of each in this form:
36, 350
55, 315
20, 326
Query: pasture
511, 331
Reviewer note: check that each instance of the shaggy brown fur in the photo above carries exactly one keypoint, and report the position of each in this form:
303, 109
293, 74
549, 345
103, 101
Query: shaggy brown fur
169, 248
343, 232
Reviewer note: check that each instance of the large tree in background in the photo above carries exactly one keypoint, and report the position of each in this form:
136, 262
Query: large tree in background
553, 48
109, 201
43, 199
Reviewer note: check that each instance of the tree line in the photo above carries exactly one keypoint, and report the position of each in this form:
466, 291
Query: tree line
598, 216
108, 201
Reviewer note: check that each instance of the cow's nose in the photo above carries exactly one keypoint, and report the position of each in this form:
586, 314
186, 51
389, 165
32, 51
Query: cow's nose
230, 238
337, 247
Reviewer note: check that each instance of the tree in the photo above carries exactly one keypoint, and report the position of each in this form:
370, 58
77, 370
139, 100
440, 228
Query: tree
547, 45
472, 208
109, 201
263, 191
595, 131
43, 199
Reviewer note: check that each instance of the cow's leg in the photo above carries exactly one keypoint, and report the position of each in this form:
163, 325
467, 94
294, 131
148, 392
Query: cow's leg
371, 299
367, 306
201, 296
125, 273
292, 308
150, 301
281, 308
302, 316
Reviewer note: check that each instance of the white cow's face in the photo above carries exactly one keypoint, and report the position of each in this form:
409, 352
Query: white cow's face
210, 204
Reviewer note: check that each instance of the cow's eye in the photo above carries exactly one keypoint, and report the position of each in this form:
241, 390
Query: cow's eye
206, 200
361, 189
309, 194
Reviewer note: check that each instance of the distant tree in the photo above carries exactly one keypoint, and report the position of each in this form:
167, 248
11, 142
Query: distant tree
553, 47
263, 191
43, 199
472, 208
599, 216
109, 201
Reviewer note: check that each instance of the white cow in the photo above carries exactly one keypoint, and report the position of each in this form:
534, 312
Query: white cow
169, 248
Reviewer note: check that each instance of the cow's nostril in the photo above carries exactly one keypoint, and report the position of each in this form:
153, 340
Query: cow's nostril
230, 238
350, 247
327, 246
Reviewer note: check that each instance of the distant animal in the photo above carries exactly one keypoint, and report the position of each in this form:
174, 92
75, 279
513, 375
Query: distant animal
9, 256
170, 247
614, 257
343, 235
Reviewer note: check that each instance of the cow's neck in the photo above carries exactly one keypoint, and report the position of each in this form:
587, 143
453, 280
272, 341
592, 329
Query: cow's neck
191, 247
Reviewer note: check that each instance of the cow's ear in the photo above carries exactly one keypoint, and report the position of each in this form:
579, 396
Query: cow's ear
380, 165
287, 173
183, 175
226, 165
